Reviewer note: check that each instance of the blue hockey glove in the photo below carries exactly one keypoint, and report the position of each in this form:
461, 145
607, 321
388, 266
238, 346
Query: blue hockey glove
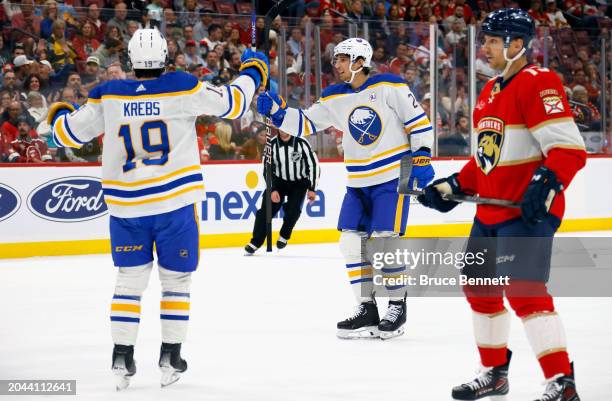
271, 104
422, 170
255, 65
59, 109
539, 195
432, 196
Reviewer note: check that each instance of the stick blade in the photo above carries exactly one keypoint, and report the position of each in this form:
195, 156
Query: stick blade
405, 172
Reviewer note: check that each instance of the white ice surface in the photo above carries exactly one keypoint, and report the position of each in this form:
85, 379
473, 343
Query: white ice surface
262, 328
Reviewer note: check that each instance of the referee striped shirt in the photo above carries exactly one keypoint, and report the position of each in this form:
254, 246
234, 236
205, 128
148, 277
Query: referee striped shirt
295, 160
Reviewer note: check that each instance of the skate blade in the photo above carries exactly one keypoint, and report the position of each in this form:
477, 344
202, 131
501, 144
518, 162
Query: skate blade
500, 397
122, 381
169, 376
387, 335
364, 332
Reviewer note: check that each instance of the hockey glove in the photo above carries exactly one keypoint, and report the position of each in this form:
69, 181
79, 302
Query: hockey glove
432, 196
539, 195
58, 109
256, 66
422, 170
272, 105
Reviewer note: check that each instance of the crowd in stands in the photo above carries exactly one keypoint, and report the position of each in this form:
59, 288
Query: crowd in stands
59, 50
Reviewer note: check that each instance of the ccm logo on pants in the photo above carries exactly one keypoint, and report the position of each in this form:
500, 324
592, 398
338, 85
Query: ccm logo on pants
128, 248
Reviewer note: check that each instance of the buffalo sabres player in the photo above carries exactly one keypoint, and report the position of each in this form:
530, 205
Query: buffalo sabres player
529, 150
381, 122
151, 180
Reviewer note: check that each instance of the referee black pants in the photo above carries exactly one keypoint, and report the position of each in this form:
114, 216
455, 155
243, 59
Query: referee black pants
294, 192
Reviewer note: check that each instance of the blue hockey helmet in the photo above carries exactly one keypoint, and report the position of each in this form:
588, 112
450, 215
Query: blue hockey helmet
510, 23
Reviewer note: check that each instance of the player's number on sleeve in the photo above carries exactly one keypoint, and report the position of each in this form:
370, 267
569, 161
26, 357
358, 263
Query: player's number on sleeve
146, 129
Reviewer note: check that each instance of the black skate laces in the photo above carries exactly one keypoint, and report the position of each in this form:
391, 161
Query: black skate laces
393, 313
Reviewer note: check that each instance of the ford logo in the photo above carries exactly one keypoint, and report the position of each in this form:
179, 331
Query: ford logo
68, 199
10, 201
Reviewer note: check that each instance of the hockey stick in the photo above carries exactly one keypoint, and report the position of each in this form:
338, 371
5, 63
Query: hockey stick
403, 188
269, 17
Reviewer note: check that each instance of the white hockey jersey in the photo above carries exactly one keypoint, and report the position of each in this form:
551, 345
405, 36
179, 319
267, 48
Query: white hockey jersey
375, 120
150, 160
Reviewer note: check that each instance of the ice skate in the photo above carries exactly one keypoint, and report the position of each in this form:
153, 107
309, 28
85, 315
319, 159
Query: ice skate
171, 363
281, 243
124, 366
249, 249
362, 324
561, 388
490, 382
392, 324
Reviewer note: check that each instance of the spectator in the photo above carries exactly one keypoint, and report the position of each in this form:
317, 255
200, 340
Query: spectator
85, 42
412, 15
200, 29
59, 49
49, 14
27, 146
119, 20
253, 148
379, 60
356, 13
114, 72
191, 53
10, 119
5, 54
581, 79
31, 83
93, 16
403, 56
108, 52
74, 82
186, 37
467, 10
9, 84
555, 16
155, 11
190, 14
221, 145
37, 107
586, 114
457, 16
234, 43
537, 13
212, 63
27, 21
5, 100
296, 41
91, 76
457, 33
22, 66
215, 36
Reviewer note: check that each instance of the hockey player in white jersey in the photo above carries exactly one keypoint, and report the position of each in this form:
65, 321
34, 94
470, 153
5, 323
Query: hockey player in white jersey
151, 179
381, 122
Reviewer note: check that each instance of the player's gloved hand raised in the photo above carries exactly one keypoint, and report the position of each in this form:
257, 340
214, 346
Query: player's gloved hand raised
255, 65
272, 105
539, 195
422, 171
432, 194
58, 109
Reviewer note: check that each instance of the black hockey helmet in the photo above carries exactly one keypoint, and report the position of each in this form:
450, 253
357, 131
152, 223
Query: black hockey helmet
510, 23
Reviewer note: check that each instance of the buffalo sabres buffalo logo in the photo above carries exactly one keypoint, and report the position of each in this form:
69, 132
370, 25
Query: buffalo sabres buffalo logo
490, 141
365, 125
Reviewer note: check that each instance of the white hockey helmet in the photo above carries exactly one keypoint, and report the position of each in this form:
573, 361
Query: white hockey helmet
355, 47
148, 50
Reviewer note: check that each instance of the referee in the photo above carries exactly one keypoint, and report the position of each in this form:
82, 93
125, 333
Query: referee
295, 173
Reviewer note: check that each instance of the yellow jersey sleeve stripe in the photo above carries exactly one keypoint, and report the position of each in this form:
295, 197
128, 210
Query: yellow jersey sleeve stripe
151, 180
237, 103
378, 155
94, 101
153, 200
421, 123
59, 130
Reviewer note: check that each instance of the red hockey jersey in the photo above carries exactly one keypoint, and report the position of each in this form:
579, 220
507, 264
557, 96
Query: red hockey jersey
521, 124
29, 150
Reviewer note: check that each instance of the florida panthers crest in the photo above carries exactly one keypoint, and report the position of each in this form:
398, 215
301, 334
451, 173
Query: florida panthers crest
365, 125
490, 141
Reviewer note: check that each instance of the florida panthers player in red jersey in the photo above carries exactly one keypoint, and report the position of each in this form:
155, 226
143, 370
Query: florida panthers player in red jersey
529, 150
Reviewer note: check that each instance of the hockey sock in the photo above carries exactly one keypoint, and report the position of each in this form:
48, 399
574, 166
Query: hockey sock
491, 323
543, 326
359, 269
125, 306
394, 279
174, 305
